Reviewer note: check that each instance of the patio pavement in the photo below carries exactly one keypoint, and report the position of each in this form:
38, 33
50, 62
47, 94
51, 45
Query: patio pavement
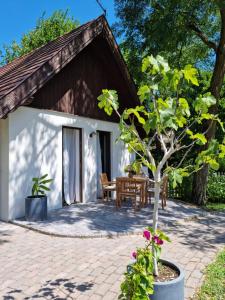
103, 220
39, 266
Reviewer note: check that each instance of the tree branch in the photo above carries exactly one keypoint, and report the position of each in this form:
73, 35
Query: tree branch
162, 143
151, 140
140, 140
185, 155
202, 36
183, 132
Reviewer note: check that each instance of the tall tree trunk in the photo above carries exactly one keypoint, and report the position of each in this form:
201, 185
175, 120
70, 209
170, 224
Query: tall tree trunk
157, 180
200, 178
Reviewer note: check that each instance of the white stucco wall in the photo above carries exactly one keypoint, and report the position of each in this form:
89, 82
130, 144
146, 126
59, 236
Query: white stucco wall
4, 169
35, 148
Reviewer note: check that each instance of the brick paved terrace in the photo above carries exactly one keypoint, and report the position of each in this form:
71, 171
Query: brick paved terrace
38, 266
104, 220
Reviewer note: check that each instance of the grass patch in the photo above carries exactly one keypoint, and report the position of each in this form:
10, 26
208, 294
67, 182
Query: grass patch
215, 206
213, 287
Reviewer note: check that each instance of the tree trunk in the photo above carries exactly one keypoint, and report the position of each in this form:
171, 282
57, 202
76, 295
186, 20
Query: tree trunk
200, 178
155, 220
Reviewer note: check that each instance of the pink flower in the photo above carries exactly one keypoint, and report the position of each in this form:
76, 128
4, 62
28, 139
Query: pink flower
147, 234
157, 240
134, 254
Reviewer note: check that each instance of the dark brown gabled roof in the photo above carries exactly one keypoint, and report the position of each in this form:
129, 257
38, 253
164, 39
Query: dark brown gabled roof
20, 79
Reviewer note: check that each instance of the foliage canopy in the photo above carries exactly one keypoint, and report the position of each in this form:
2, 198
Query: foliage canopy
184, 32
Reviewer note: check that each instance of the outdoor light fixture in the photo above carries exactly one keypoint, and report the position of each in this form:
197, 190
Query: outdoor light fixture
93, 133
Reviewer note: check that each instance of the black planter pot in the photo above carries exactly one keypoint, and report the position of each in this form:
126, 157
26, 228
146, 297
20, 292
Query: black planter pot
169, 290
36, 208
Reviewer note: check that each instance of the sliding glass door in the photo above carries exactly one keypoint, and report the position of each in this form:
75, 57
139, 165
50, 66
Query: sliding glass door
72, 175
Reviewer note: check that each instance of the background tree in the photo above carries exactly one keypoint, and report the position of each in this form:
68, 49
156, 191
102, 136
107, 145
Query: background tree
46, 30
185, 32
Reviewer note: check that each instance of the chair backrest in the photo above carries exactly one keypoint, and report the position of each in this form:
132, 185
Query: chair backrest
165, 186
151, 184
127, 185
104, 179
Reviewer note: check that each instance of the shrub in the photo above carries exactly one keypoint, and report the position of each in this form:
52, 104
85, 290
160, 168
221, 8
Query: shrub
216, 187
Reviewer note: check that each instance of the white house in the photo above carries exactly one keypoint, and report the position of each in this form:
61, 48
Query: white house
50, 121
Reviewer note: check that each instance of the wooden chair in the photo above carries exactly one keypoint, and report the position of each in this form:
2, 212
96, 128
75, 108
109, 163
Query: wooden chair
128, 187
150, 190
163, 191
107, 186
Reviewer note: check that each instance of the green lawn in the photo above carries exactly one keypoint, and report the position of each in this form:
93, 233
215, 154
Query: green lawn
215, 206
213, 287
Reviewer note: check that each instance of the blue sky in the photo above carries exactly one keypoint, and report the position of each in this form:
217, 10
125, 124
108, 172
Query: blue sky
19, 16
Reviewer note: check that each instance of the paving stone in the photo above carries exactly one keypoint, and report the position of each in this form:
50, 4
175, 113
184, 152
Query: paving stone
197, 274
110, 296
41, 266
189, 292
103, 289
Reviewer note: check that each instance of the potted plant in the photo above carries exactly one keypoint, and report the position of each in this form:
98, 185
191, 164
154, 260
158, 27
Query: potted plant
134, 168
166, 122
36, 206
140, 281
130, 172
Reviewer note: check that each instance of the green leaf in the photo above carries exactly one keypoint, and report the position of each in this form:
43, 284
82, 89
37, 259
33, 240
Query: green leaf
143, 93
39, 185
41, 192
148, 164
190, 74
207, 116
163, 63
184, 106
46, 181
108, 100
180, 120
175, 79
213, 164
151, 122
43, 187
199, 136
166, 111
135, 111
176, 175
209, 99
203, 102
151, 63
222, 151
35, 179
209, 156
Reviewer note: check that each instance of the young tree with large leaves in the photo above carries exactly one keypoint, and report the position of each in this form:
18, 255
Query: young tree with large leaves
46, 30
185, 32
168, 118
